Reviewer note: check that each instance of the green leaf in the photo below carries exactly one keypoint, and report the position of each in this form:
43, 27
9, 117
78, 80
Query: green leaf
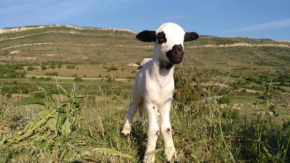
62, 117
66, 127
3, 138
45, 145
27, 127
42, 114
30, 100
51, 123
62, 89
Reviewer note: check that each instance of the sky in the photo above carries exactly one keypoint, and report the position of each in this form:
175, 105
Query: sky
222, 18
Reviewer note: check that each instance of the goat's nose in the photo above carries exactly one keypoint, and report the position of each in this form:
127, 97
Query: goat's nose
178, 50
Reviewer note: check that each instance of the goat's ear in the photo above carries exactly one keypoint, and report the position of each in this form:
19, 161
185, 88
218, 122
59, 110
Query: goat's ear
146, 36
190, 36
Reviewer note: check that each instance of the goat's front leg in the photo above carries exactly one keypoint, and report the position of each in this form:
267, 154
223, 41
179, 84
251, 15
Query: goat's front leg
152, 131
166, 131
131, 113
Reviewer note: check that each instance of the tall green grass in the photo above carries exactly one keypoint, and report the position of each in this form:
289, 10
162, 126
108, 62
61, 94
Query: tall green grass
202, 130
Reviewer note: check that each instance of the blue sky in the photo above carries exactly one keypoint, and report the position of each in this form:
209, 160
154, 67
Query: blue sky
249, 18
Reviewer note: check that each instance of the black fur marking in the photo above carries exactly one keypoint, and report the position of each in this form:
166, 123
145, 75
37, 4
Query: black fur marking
161, 37
190, 36
165, 65
157, 133
168, 130
175, 55
146, 36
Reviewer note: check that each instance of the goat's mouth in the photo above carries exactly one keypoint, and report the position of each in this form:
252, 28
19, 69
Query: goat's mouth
176, 59
175, 55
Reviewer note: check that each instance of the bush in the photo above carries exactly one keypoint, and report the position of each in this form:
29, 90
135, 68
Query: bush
224, 100
113, 68
30, 68
78, 79
43, 67
70, 66
186, 92
52, 66
51, 74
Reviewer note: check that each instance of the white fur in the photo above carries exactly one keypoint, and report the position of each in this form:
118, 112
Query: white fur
153, 91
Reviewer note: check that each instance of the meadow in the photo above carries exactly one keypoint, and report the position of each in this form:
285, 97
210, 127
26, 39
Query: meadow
65, 94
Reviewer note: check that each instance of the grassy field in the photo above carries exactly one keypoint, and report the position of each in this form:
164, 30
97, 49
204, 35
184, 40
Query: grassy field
81, 81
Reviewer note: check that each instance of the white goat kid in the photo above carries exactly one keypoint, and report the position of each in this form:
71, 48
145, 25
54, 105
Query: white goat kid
154, 85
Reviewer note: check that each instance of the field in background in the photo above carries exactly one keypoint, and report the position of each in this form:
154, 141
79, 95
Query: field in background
220, 86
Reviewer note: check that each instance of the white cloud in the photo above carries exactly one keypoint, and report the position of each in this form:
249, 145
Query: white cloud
42, 11
269, 25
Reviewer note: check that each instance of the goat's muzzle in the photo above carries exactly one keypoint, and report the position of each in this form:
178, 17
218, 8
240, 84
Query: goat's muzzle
175, 55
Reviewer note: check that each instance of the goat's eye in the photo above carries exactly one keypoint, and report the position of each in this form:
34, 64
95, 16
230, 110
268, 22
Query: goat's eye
161, 37
161, 40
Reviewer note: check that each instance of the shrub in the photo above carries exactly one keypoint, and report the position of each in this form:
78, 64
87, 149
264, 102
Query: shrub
43, 67
52, 66
78, 79
188, 87
113, 68
130, 77
70, 66
30, 68
224, 100
51, 74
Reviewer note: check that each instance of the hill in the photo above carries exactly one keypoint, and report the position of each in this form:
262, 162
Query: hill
83, 45
94, 53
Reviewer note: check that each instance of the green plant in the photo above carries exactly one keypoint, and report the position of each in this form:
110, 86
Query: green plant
78, 79
51, 131
30, 68
70, 66
51, 74
224, 100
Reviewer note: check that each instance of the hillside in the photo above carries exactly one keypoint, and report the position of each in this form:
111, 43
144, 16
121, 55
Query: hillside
96, 54
85, 45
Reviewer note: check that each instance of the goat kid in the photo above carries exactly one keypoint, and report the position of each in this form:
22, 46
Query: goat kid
154, 85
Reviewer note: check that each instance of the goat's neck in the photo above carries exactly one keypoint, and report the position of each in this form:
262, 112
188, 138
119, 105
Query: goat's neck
163, 71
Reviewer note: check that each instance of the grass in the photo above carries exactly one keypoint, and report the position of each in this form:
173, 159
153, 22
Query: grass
200, 130
197, 134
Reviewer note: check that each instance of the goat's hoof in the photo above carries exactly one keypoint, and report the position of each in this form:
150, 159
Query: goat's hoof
126, 132
170, 152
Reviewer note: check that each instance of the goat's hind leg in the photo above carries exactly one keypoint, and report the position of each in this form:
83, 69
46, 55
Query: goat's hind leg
131, 113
